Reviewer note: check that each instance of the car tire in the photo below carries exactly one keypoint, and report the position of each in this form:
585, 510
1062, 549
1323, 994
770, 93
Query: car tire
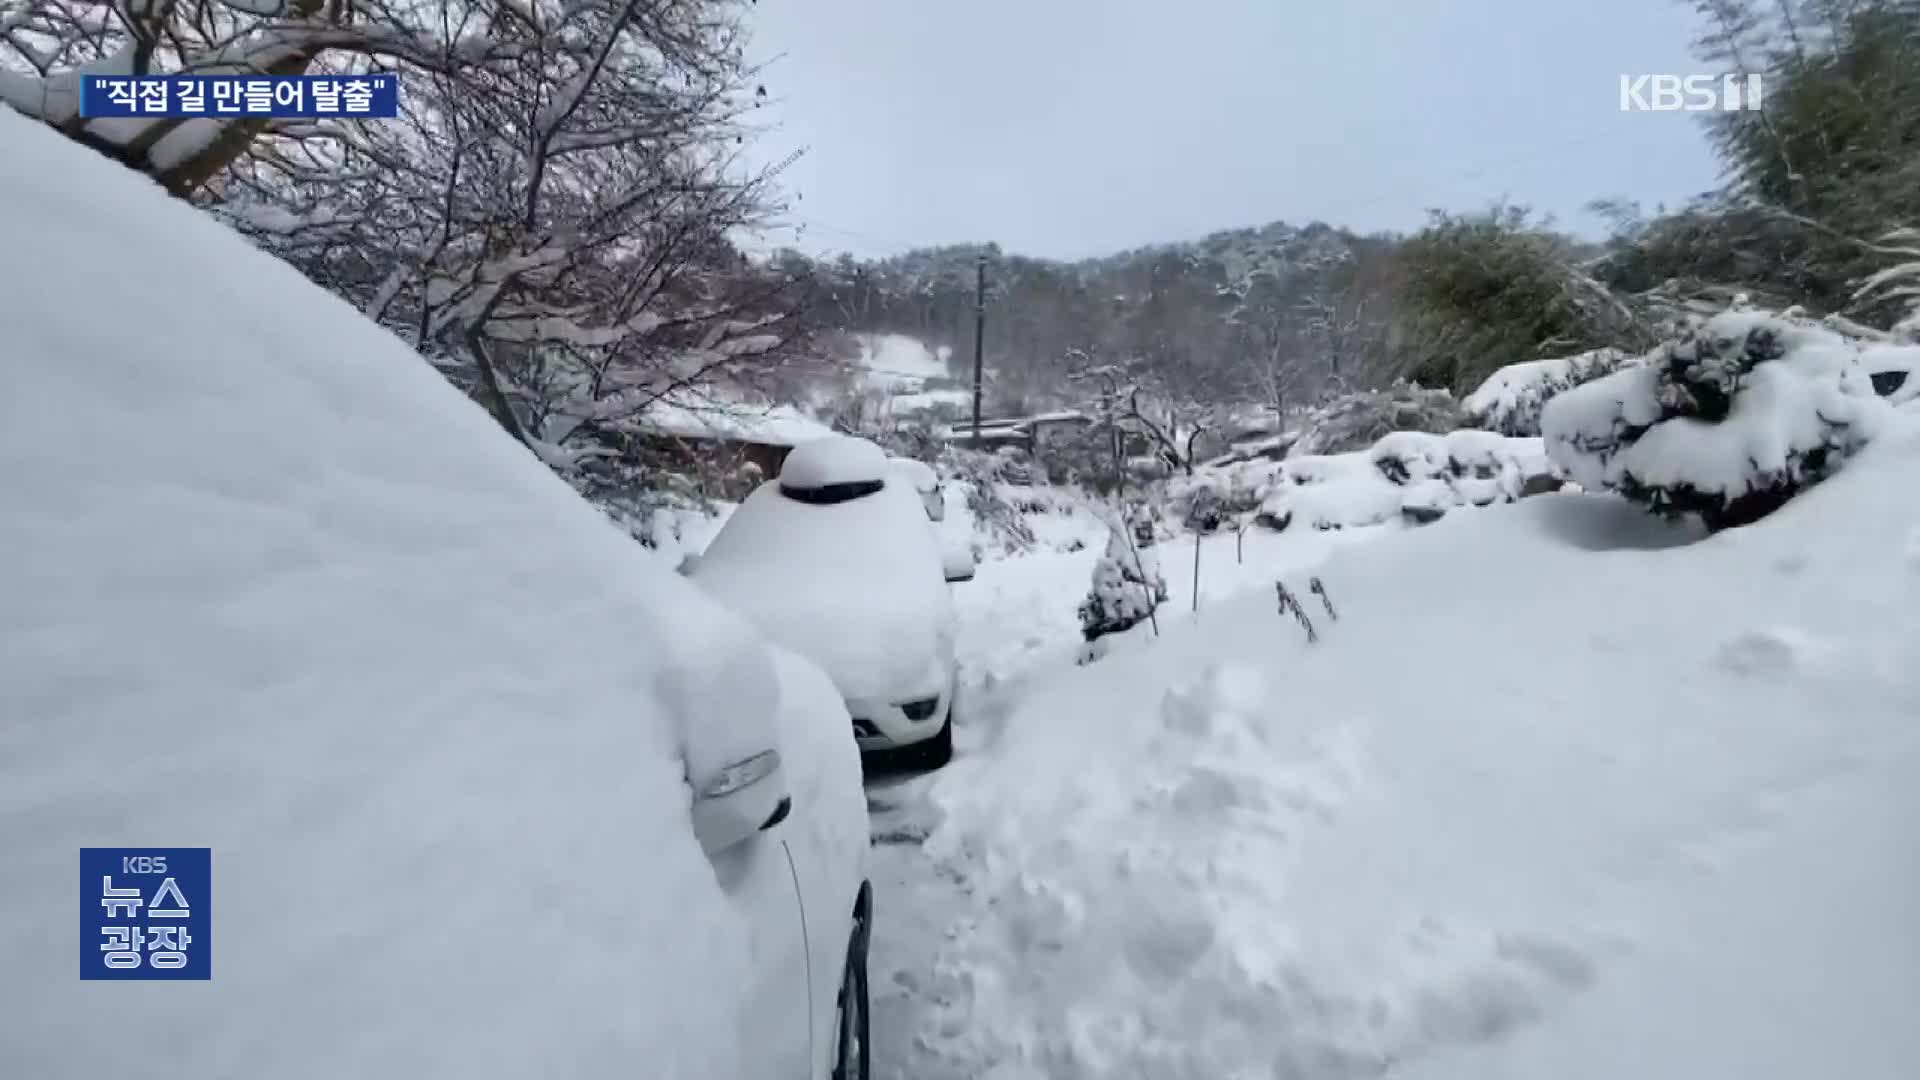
853, 1055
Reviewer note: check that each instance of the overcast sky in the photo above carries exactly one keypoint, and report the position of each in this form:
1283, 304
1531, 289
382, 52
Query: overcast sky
1069, 128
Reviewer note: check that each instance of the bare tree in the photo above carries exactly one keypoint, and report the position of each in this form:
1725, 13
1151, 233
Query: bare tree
552, 228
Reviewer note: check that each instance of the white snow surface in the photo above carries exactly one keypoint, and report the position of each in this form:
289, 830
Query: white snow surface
1559, 794
273, 587
1780, 411
857, 586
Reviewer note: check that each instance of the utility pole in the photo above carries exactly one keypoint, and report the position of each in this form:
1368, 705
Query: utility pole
979, 338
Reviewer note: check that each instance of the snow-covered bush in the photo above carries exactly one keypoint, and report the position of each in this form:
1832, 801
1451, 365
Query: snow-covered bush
980, 477
1215, 498
1414, 475
1357, 420
1510, 401
1726, 423
1127, 583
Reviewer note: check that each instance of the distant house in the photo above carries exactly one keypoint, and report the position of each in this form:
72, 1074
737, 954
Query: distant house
714, 439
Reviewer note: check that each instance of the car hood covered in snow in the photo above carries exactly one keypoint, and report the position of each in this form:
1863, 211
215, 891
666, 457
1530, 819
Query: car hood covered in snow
1565, 792
272, 587
856, 586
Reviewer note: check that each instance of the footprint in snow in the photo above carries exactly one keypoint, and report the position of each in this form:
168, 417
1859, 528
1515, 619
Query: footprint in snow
1768, 651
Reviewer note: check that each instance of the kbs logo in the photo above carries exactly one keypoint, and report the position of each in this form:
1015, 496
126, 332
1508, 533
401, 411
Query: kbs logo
1689, 93
146, 913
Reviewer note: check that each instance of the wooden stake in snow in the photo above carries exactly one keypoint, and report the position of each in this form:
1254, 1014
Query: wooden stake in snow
1196, 571
1320, 591
1126, 531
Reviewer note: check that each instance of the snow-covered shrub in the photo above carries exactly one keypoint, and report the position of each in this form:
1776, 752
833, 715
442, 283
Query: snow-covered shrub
979, 478
1726, 423
1216, 497
1357, 420
1127, 583
1509, 402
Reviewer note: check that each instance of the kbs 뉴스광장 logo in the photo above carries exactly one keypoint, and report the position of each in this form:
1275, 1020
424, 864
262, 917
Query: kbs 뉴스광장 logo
146, 913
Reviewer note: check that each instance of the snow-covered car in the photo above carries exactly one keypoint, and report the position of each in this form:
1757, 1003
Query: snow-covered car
835, 560
489, 792
956, 552
925, 483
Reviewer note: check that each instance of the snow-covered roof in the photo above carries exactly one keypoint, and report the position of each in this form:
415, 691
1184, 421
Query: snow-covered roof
772, 425
275, 588
1011, 425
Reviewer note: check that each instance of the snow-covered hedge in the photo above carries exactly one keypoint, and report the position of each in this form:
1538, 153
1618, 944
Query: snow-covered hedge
1510, 401
1412, 475
1726, 423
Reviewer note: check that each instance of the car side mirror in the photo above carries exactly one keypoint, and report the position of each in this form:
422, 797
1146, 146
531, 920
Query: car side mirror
747, 797
958, 562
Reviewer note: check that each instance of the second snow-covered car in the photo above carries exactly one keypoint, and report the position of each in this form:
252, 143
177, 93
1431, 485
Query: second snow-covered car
837, 561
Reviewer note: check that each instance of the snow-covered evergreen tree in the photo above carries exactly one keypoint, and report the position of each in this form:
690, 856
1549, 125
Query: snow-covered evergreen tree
1127, 583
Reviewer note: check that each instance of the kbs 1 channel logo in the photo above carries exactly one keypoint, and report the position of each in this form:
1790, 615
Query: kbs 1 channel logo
146, 913
374, 96
1691, 93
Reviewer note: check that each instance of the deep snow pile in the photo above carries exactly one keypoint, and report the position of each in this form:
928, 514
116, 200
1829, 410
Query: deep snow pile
273, 587
1726, 423
1406, 475
1545, 754
1511, 398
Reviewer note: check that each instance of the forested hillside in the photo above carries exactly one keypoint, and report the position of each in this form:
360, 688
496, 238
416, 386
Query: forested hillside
1267, 314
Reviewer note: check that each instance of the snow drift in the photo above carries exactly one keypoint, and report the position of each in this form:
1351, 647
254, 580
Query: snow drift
1501, 814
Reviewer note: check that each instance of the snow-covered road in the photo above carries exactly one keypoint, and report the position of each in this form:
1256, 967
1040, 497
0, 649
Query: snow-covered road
1018, 629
